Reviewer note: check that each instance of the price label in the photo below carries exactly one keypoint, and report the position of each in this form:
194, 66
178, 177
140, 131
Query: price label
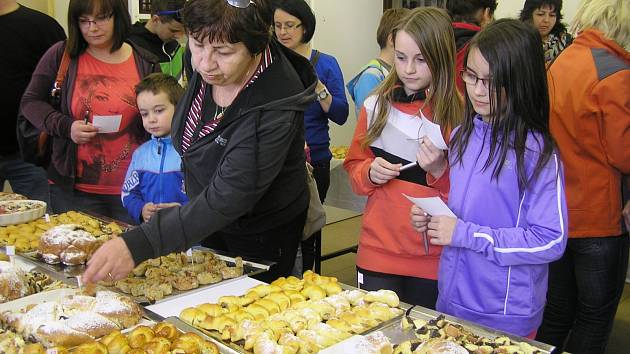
190, 254
47, 217
10, 251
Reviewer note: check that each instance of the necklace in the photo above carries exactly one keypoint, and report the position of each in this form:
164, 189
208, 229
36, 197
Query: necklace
217, 114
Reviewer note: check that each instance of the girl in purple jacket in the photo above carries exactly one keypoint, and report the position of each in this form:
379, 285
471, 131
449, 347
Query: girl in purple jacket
506, 188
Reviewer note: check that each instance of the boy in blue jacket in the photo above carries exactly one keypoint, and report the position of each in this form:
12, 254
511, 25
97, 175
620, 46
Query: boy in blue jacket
154, 180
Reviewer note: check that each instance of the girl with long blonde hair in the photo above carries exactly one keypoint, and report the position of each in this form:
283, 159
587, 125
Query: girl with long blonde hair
419, 92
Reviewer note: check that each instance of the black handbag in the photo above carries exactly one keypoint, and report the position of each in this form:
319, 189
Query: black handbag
34, 145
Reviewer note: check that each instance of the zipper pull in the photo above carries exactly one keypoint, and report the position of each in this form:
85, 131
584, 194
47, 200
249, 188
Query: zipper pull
159, 141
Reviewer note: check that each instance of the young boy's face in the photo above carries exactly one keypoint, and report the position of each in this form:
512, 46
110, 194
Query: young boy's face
156, 112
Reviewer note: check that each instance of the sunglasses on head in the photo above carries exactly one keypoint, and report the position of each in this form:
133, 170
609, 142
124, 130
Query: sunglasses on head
241, 4
176, 14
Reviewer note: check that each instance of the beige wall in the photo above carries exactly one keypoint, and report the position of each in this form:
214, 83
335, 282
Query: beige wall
347, 30
39, 5
61, 12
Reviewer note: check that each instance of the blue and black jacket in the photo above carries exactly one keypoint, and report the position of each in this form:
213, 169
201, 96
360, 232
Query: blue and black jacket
154, 176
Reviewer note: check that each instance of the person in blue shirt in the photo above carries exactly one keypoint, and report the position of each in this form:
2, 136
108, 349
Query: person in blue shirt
294, 26
375, 71
154, 179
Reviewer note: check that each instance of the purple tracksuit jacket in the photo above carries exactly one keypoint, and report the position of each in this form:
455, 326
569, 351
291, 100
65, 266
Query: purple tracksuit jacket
495, 270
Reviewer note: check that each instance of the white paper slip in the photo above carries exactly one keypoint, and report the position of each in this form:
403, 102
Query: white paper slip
433, 132
434, 206
107, 124
398, 142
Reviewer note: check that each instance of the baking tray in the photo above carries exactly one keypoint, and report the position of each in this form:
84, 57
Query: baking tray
103, 220
169, 311
397, 335
68, 274
173, 306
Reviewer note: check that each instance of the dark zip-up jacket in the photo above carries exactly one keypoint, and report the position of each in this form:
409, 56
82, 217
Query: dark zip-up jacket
247, 176
37, 109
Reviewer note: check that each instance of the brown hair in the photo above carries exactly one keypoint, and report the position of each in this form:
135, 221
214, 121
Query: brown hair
76, 44
431, 29
160, 82
389, 20
219, 21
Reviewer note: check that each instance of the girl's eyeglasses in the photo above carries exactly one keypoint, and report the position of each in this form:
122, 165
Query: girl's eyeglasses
472, 79
241, 4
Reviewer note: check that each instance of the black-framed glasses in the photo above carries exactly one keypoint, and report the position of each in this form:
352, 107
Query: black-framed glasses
241, 4
472, 79
98, 21
175, 14
287, 26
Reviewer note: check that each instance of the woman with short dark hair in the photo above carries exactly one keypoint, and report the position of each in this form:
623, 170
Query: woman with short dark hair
546, 17
294, 26
240, 131
88, 166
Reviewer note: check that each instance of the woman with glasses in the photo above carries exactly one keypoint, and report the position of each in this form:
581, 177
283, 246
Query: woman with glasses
294, 26
96, 126
240, 131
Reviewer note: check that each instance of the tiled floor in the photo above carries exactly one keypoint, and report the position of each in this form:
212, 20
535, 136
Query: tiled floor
344, 233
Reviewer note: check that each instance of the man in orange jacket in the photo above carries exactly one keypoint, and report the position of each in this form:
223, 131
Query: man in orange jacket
590, 120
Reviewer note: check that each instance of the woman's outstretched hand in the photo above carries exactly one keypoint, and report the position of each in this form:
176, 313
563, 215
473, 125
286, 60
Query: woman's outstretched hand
112, 261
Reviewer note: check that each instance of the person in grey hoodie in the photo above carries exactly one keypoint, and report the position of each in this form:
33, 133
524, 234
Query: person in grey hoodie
507, 188
240, 131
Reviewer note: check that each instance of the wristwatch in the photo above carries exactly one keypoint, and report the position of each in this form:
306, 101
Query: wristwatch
322, 95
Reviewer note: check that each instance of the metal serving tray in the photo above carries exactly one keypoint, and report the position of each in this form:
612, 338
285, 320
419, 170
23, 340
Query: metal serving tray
68, 274
397, 335
233, 348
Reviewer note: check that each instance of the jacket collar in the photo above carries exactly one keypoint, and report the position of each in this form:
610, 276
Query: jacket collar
595, 38
166, 138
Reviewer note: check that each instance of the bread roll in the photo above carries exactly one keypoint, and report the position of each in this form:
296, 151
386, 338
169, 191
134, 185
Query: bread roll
385, 296
158, 345
166, 330
116, 343
140, 336
192, 316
